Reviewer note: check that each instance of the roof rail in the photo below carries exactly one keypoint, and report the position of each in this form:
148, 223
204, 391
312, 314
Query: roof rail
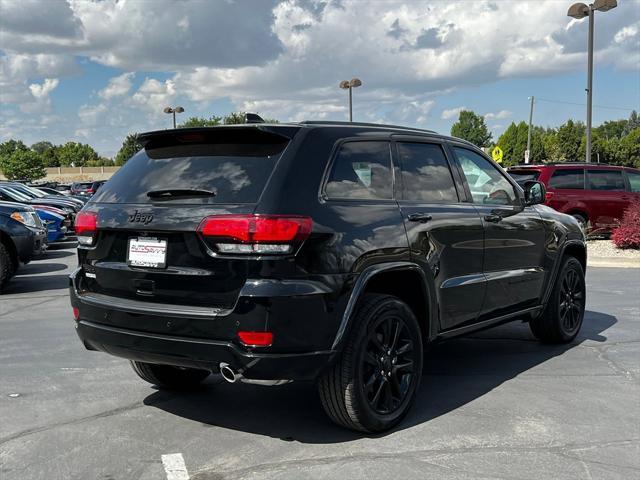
364, 124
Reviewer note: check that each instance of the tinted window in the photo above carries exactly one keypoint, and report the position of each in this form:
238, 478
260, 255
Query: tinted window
426, 175
606, 180
571, 178
233, 178
522, 176
634, 180
487, 184
361, 170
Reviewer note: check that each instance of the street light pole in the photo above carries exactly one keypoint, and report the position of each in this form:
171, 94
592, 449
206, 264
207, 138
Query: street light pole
173, 111
589, 82
528, 155
350, 85
578, 11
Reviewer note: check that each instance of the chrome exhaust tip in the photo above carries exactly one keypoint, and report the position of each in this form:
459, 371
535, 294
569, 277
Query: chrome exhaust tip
228, 373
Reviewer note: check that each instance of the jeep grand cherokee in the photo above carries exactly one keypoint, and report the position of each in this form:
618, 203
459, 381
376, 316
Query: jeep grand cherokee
322, 251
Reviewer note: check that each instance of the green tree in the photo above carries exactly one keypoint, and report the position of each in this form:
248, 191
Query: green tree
632, 123
471, 127
570, 140
630, 148
201, 122
129, 148
76, 154
10, 146
234, 118
41, 147
22, 165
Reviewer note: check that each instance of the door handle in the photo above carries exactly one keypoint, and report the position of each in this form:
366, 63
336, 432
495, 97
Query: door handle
419, 217
493, 217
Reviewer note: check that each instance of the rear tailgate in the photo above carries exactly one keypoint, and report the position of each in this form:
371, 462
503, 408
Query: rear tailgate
183, 270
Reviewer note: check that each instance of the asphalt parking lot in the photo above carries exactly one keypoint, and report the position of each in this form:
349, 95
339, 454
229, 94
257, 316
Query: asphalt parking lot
496, 405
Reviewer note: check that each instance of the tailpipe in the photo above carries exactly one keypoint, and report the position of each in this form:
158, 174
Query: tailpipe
229, 373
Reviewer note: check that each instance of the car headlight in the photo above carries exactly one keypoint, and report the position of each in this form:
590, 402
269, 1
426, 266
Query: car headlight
24, 218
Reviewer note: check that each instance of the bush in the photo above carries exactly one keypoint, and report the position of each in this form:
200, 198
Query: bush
23, 165
627, 235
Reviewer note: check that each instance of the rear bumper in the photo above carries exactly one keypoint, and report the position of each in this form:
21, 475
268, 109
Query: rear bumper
199, 337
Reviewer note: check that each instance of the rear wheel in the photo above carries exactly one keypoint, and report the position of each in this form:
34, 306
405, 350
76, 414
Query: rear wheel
562, 318
374, 383
170, 377
6, 266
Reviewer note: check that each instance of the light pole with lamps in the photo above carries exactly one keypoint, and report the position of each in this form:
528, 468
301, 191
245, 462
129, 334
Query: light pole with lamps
350, 84
578, 11
174, 111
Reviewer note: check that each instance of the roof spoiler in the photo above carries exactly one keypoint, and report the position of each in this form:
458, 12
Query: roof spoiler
253, 118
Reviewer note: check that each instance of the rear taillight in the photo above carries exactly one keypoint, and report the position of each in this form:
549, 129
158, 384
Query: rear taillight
76, 313
255, 234
86, 226
256, 339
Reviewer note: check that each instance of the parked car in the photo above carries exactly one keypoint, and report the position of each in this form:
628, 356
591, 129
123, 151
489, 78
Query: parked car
86, 188
596, 195
38, 194
22, 237
56, 223
9, 194
53, 191
323, 251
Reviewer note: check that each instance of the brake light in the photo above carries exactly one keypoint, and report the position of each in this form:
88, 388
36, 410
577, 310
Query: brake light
76, 313
256, 339
86, 227
256, 234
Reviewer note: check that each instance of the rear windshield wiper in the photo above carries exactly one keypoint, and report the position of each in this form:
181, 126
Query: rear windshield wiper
180, 192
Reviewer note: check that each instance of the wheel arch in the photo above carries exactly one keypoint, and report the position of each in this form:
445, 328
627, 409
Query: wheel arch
407, 281
10, 246
574, 248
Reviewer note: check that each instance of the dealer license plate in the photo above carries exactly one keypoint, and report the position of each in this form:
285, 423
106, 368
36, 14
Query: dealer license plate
147, 252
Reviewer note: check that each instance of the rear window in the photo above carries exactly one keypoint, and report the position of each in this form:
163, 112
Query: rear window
610, 180
568, 178
522, 176
235, 173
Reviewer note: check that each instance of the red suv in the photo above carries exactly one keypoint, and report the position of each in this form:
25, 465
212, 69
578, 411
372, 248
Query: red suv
595, 194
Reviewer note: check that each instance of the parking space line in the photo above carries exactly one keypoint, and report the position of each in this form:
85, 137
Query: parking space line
175, 467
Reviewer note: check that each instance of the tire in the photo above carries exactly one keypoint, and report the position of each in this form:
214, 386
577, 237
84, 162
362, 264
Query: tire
562, 318
374, 382
582, 220
7, 267
169, 377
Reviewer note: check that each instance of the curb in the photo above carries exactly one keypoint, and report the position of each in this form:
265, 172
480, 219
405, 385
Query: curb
613, 262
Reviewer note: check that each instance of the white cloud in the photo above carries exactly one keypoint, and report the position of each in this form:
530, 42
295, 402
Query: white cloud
498, 115
91, 114
117, 86
154, 95
452, 113
42, 91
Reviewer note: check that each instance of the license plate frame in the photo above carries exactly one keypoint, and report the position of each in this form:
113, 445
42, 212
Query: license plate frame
153, 248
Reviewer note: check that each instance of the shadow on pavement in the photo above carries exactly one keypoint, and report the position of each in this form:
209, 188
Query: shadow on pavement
459, 370
41, 267
55, 254
28, 284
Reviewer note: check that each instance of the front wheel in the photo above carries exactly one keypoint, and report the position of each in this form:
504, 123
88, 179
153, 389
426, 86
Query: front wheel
374, 383
170, 377
562, 318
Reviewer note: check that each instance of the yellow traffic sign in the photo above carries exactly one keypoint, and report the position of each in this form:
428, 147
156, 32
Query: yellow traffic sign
496, 153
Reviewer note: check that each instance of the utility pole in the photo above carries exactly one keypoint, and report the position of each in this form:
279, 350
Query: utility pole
527, 155
589, 83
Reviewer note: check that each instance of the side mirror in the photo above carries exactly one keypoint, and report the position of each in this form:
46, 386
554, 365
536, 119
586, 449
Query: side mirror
534, 192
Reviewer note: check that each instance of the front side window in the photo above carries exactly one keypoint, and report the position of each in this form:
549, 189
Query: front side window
488, 186
567, 178
361, 170
610, 180
426, 176
634, 181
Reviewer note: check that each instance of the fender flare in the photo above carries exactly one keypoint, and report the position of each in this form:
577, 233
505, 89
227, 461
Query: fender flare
556, 266
361, 283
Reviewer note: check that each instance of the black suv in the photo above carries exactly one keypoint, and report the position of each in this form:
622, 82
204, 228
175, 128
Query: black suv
323, 251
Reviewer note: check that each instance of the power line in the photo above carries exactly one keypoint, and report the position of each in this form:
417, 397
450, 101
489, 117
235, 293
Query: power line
609, 107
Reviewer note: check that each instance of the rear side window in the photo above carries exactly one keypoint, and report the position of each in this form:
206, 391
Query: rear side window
235, 173
569, 178
610, 180
426, 176
361, 170
634, 181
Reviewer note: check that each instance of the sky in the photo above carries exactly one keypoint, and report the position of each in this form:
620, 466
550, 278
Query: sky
95, 71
